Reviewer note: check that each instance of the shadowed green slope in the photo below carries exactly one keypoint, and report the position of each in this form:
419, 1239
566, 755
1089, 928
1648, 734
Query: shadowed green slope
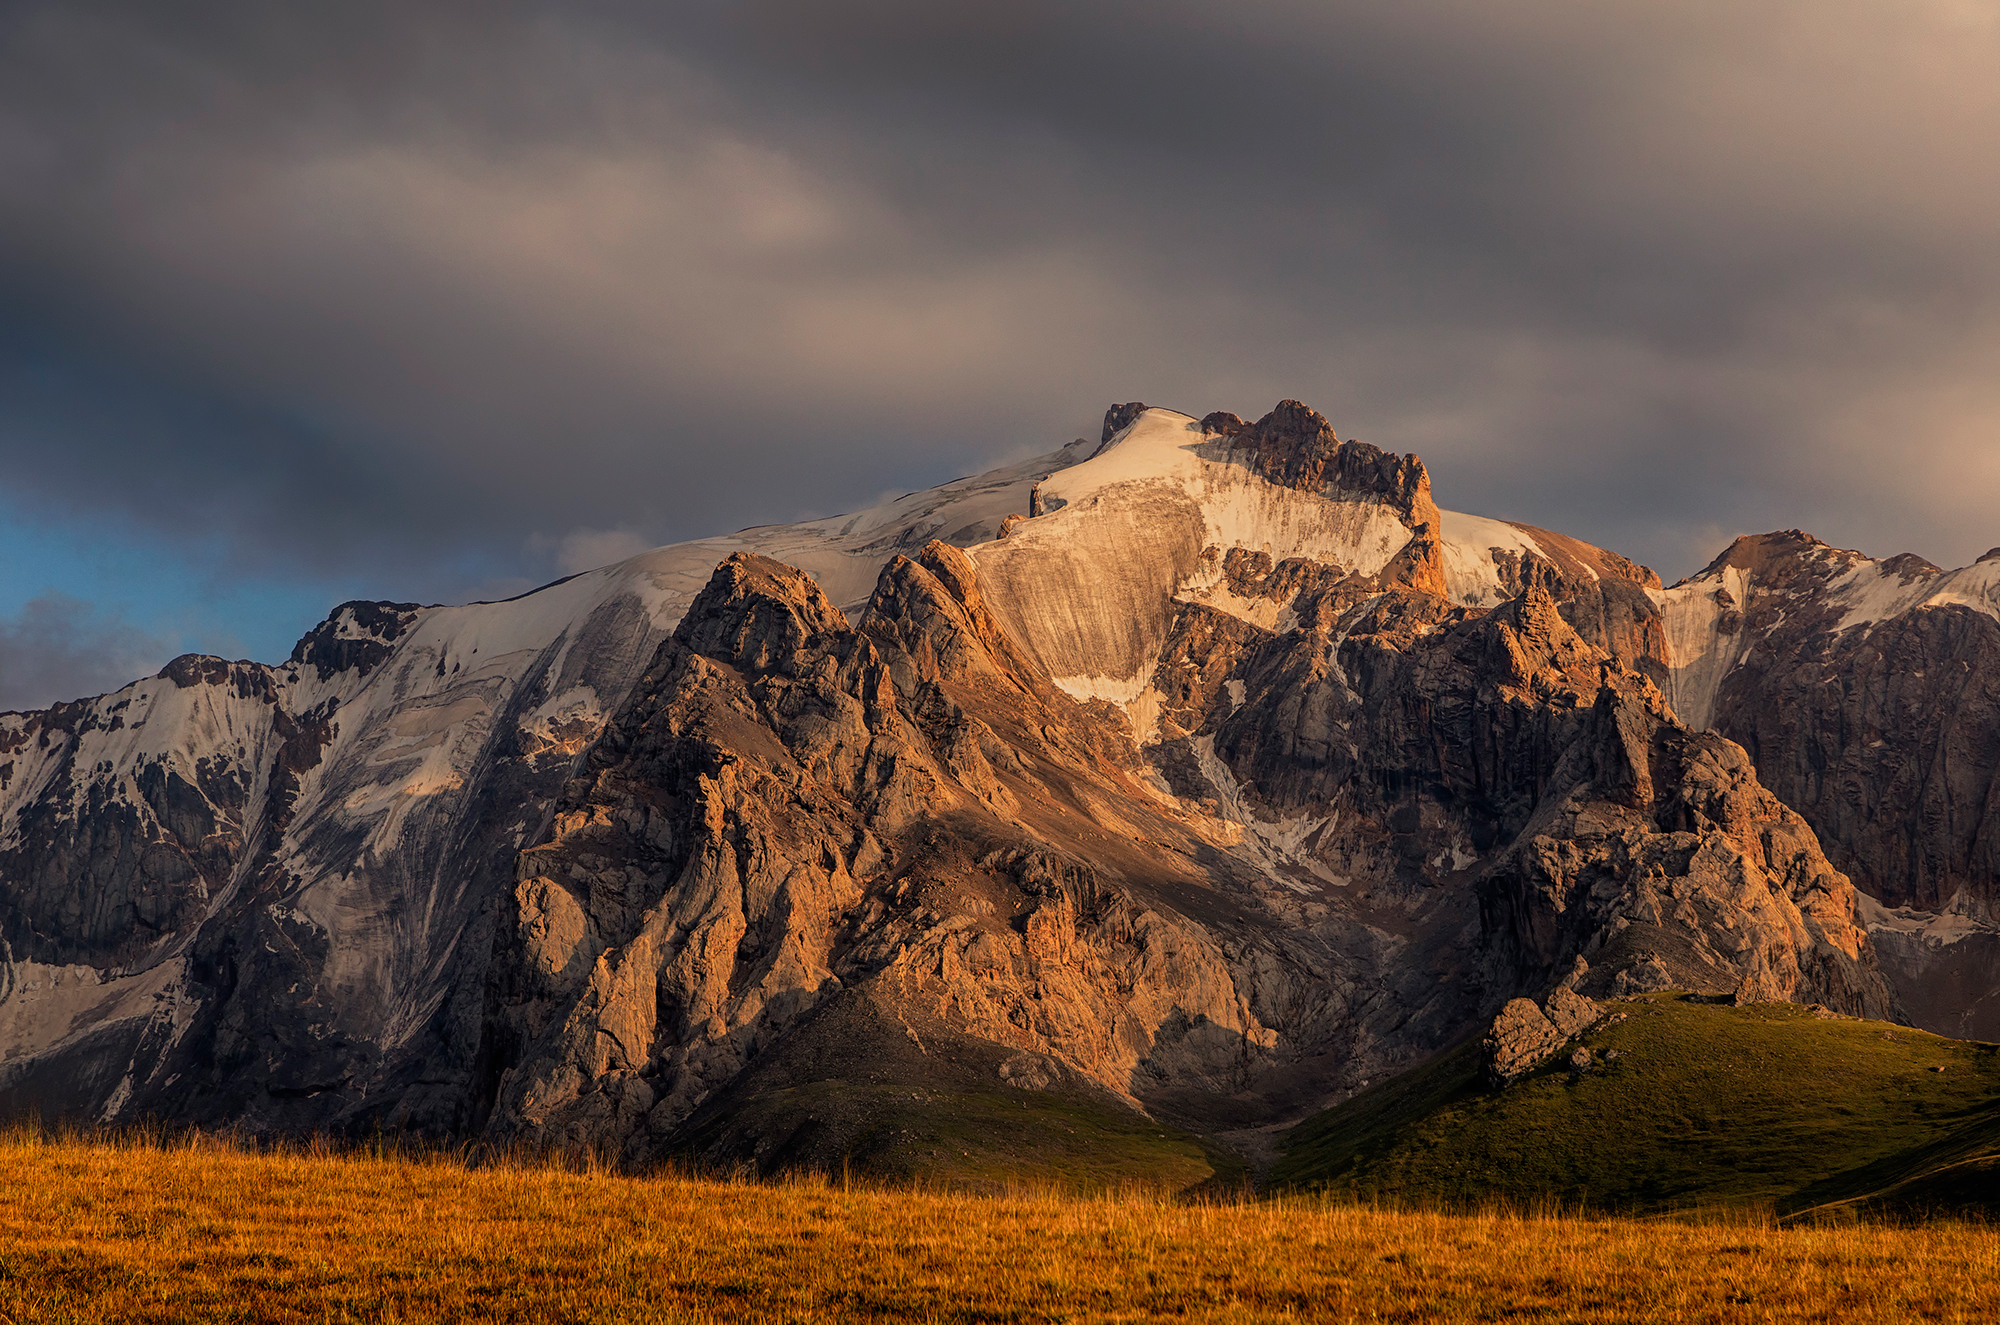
1703, 1105
857, 1091
973, 1140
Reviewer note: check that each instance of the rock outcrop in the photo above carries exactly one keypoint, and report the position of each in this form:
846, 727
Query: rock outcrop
1524, 1036
1295, 447
1666, 865
1120, 417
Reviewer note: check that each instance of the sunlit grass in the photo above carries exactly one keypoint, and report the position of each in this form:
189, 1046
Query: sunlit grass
160, 1229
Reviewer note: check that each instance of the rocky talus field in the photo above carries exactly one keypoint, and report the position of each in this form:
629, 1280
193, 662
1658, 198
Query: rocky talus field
1199, 804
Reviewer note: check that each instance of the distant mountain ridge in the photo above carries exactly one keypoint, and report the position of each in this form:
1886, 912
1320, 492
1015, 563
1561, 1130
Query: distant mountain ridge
1207, 769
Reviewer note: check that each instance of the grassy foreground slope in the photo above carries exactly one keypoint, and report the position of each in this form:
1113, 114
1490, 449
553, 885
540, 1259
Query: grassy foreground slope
1703, 1104
967, 1139
104, 1233
856, 1091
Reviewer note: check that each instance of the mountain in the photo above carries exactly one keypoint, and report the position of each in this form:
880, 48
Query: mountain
1204, 773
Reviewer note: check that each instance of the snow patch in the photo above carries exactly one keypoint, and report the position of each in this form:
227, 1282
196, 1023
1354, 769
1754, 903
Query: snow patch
1135, 695
1872, 594
1273, 845
1470, 575
432, 720
560, 719
42, 1005
119, 1096
1699, 653
1939, 929
1275, 615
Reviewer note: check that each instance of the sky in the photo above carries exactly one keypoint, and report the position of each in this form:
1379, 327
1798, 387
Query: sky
437, 301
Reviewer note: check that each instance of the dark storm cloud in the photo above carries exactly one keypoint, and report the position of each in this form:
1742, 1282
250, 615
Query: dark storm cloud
60, 648
450, 293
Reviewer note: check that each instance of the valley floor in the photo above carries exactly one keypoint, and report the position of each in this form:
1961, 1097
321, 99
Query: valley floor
147, 1232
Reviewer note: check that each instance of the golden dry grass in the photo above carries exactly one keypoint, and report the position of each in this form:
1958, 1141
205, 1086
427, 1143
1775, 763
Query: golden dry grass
97, 1230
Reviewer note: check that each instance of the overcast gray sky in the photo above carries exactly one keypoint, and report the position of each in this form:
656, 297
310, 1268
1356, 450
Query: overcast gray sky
438, 301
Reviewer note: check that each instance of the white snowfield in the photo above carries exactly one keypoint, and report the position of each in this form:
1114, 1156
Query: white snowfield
1470, 572
1089, 589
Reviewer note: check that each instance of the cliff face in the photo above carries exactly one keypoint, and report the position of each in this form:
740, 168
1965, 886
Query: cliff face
239, 892
1209, 769
1868, 695
1666, 866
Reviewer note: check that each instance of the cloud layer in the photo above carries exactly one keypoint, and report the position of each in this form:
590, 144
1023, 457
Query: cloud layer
463, 297
60, 648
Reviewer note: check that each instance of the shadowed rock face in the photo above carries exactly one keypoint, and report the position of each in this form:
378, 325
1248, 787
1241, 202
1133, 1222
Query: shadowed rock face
1867, 693
95, 879
1666, 866
1885, 731
1120, 417
1635, 842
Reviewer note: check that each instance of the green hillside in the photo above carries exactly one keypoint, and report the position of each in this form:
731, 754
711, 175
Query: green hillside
967, 1139
1702, 1105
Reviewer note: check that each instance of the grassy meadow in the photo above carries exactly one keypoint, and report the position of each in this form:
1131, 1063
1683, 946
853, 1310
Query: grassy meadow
1703, 1104
194, 1229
